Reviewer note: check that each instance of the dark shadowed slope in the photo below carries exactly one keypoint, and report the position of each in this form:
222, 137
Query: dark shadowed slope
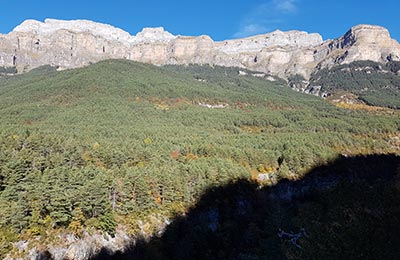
348, 209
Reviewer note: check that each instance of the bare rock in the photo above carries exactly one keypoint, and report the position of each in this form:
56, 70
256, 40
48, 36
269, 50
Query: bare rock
151, 35
50, 26
361, 42
70, 44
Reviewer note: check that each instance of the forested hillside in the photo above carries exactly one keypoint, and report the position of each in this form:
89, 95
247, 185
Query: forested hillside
117, 141
374, 83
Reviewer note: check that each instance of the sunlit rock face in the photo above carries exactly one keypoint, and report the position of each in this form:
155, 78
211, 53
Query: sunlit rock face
361, 42
70, 44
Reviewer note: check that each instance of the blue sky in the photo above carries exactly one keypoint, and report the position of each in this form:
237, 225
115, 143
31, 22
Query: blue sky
219, 19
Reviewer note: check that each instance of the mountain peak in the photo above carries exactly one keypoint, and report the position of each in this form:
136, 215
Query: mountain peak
154, 35
369, 42
369, 33
50, 26
368, 27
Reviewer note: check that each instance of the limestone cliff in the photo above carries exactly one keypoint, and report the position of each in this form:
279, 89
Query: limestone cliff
69, 44
362, 42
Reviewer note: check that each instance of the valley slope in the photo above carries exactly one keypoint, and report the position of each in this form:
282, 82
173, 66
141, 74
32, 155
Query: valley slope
120, 146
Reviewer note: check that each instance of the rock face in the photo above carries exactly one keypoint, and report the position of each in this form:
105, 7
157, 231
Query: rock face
70, 44
362, 42
75, 248
89, 243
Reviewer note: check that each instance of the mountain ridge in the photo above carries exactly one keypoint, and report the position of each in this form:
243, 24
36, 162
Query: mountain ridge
77, 43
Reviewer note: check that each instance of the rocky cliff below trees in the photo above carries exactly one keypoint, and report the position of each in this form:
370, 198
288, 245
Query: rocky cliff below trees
70, 44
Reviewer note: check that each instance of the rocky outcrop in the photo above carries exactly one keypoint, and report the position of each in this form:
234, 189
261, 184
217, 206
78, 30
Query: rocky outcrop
71, 247
362, 42
70, 44
88, 243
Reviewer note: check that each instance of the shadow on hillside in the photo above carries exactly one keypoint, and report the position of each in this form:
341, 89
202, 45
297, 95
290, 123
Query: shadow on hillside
349, 209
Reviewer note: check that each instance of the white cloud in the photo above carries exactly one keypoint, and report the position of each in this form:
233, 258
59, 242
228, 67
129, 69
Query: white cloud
265, 17
288, 6
250, 29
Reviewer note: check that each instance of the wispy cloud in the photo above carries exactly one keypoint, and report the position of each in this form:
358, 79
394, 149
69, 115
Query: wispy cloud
265, 17
288, 6
250, 29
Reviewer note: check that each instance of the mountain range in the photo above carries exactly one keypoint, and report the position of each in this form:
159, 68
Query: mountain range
76, 43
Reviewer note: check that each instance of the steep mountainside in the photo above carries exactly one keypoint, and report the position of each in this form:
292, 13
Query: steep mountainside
370, 82
70, 44
121, 147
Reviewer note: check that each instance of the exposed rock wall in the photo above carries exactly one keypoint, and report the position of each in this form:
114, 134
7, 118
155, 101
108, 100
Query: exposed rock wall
70, 44
361, 42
